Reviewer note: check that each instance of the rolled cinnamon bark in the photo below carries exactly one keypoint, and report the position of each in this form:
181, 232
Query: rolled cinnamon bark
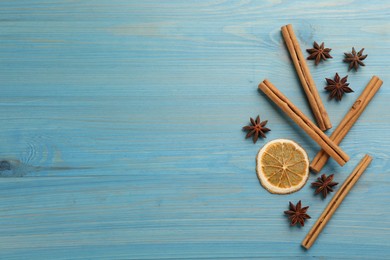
305, 77
349, 120
335, 202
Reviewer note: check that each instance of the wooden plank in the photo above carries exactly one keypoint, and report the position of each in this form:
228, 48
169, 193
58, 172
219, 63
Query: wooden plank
121, 126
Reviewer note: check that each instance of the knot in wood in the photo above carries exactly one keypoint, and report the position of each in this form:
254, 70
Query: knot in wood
356, 104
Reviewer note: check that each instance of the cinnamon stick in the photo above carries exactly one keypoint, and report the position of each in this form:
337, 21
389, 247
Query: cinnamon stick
349, 120
305, 77
335, 202
304, 122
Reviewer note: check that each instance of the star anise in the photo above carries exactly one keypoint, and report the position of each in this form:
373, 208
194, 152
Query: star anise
324, 185
297, 214
257, 128
338, 87
318, 52
355, 59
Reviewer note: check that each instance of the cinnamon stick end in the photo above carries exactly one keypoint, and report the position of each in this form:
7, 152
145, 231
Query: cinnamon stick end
322, 127
314, 168
305, 246
327, 125
284, 27
261, 85
342, 163
368, 158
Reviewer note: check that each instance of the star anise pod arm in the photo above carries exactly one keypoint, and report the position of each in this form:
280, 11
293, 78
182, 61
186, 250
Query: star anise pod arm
297, 214
257, 128
324, 185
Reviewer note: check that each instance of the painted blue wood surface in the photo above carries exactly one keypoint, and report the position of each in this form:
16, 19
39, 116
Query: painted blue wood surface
121, 128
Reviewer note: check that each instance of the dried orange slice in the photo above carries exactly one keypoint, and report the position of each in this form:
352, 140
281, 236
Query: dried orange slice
282, 166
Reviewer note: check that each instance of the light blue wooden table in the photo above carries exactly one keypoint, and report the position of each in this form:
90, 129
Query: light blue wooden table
121, 122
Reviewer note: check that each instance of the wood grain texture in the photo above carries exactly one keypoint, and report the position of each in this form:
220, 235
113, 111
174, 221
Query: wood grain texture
121, 122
